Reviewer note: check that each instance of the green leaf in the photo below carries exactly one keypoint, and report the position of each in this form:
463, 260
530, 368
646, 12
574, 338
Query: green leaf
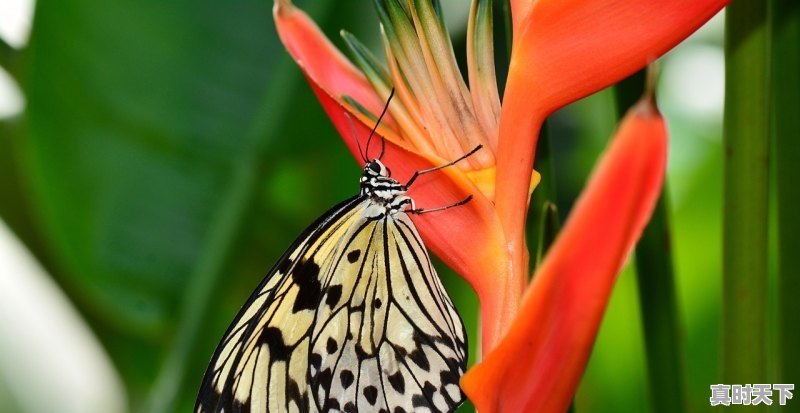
134, 145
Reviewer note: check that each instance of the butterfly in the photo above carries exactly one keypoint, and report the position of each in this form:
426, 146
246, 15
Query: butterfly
352, 317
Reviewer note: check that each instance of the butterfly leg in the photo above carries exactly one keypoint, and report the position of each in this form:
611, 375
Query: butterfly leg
420, 211
436, 168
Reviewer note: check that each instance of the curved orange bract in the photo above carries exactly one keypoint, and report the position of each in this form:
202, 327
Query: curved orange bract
537, 337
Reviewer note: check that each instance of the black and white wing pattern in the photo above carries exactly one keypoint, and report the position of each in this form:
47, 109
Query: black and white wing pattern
387, 337
262, 361
353, 318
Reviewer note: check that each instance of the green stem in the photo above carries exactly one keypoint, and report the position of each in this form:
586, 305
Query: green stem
508, 26
549, 225
544, 223
745, 208
785, 15
6, 52
661, 321
656, 281
9, 58
629, 91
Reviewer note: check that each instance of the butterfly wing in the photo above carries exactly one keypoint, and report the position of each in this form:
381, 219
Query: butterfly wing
353, 318
387, 337
262, 361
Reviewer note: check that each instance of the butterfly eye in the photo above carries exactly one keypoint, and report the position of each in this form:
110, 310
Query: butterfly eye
374, 167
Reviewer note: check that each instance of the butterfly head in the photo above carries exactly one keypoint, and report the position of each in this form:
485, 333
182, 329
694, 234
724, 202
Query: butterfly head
376, 168
385, 192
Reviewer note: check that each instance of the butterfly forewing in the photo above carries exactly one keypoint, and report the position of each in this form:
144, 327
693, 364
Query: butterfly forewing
353, 318
266, 346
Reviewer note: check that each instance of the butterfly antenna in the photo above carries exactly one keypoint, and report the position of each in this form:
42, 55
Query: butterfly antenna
355, 136
372, 133
436, 168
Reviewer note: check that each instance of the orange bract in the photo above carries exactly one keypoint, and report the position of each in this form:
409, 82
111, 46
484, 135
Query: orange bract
562, 50
545, 351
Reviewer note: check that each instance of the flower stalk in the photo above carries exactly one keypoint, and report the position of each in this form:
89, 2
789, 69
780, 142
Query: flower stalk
785, 25
746, 183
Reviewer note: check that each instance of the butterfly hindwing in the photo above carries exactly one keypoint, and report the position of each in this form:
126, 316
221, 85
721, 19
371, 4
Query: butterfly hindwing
437, 354
390, 340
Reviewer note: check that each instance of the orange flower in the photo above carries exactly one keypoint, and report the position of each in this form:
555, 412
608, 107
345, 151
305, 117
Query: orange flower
551, 338
537, 337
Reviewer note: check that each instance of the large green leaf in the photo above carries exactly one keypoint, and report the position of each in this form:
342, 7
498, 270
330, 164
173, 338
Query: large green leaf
134, 144
147, 131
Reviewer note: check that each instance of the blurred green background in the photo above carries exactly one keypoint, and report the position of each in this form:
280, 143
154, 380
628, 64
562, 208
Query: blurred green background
157, 157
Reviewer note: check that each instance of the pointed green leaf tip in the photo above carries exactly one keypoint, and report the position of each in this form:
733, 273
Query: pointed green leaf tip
360, 108
366, 61
549, 224
480, 61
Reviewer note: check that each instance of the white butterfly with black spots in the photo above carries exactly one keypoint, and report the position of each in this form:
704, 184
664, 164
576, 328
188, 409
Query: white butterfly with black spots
352, 318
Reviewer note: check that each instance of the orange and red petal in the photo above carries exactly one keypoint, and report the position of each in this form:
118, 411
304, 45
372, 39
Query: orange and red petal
538, 364
567, 49
322, 63
467, 238
520, 11
564, 50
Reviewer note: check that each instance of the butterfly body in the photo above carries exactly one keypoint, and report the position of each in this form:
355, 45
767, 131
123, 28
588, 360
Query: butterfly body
353, 318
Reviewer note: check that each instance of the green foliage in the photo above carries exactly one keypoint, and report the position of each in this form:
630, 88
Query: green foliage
158, 164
